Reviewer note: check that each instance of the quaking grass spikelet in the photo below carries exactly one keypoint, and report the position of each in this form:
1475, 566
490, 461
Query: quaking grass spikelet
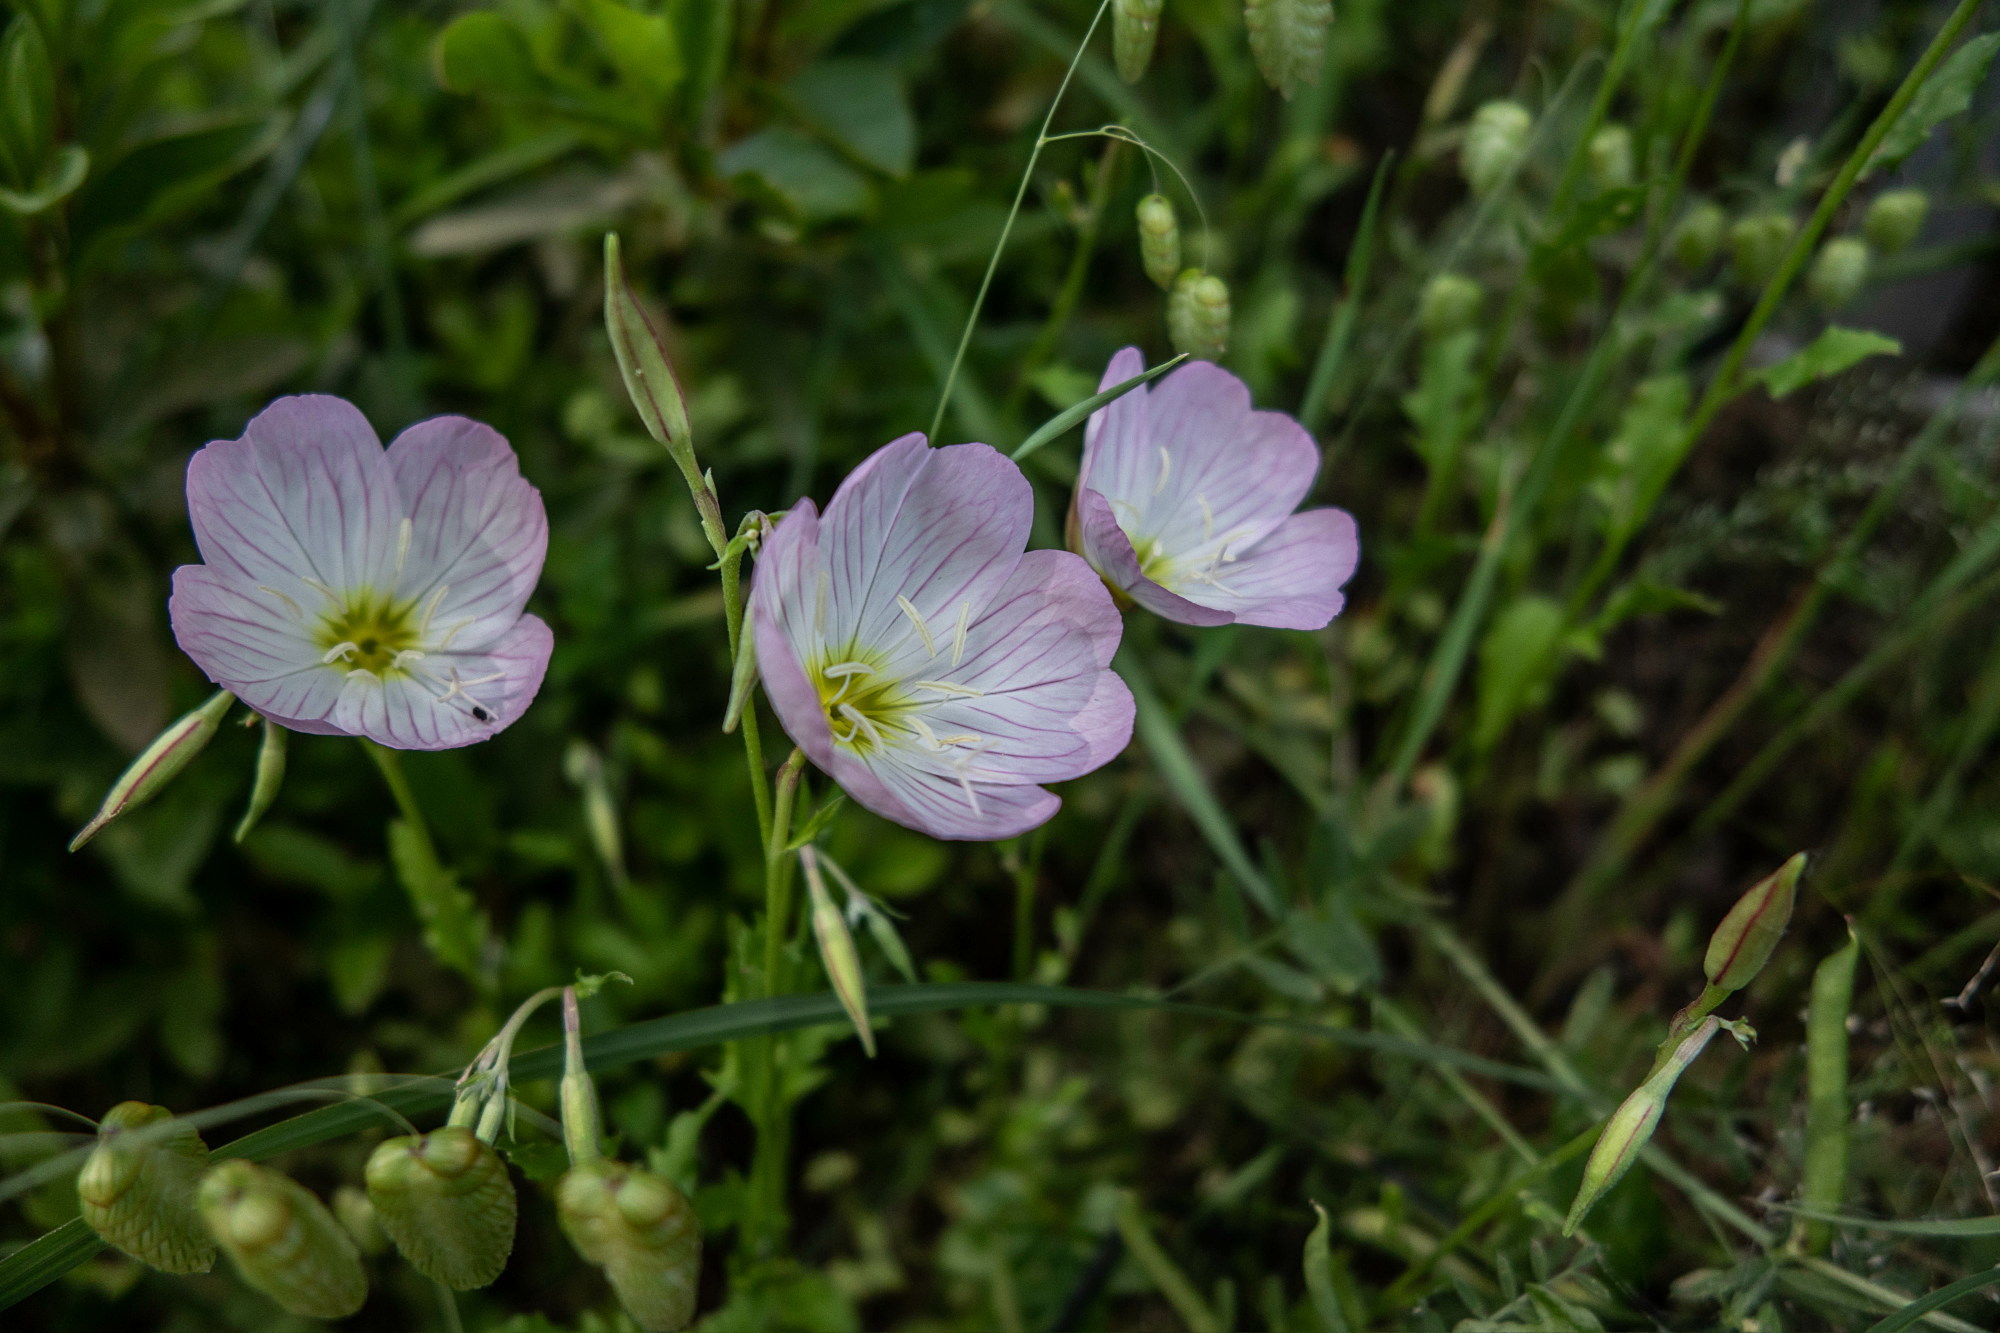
137, 1189
283, 1240
641, 1231
446, 1201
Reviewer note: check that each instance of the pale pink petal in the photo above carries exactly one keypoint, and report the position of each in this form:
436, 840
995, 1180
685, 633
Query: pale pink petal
786, 593
477, 528
449, 699
1291, 579
943, 808
1232, 474
1118, 457
254, 645
303, 498
1110, 553
940, 528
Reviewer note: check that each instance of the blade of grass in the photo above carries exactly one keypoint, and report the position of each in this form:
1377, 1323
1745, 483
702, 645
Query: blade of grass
1922, 1307
1070, 416
1341, 323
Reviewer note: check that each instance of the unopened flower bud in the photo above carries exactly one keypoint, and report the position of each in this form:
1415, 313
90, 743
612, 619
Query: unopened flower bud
1895, 218
1198, 315
1611, 158
270, 777
582, 1121
1742, 944
1495, 143
161, 763
642, 358
351, 1207
1159, 240
445, 1199
1631, 1126
1449, 304
1135, 27
1838, 272
283, 1240
641, 1231
1757, 246
1288, 40
836, 950
1699, 235
137, 1188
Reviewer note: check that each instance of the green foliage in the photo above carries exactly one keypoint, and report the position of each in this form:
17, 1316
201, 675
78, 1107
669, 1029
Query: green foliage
1835, 350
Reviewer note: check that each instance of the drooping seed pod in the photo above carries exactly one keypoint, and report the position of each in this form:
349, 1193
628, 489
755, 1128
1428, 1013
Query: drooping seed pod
1838, 272
1757, 246
1611, 165
270, 777
1198, 315
171, 751
641, 1231
1742, 944
1288, 39
1699, 236
1159, 240
1449, 304
1495, 143
137, 1189
1894, 219
1631, 1126
283, 1240
446, 1201
1135, 28
642, 359
836, 950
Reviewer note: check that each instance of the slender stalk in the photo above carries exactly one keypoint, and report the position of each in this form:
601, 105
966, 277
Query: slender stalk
1007, 228
765, 1226
390, 763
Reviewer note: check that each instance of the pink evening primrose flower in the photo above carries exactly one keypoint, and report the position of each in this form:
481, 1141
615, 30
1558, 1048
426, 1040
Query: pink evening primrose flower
923, 659
1184, 504
348, 590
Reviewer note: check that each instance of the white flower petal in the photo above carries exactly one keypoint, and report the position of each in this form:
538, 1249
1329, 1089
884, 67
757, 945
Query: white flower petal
248, 641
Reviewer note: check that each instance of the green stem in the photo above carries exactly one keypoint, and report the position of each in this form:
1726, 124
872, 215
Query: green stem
765, 1226
731, 562
1007, 228
391, 765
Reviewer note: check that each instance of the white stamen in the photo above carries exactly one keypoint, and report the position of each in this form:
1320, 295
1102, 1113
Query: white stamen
402, 547
430, 609
839, 669
946, 687
923, 631
958, 635
404, 658
1166, 467
298, 612
339, 652
971, 796
862, 723
924, 730
452, 633
1207, 519
325, 592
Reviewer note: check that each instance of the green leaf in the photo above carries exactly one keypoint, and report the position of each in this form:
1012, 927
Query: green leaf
1288, 39
860, 105
65, 172
1952, 1228
483, 53
454, 927
1070, 416
1642, 455
27, 104
1947, 93
1516, 659
1319, 1275
1943, 1296
800, 174
643, 48
1832, 352
137, 186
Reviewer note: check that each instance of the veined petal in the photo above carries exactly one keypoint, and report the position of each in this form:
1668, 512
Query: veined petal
477, 528
304, 497
944, 808
1291, 579
941, 529
1118, 457
1232, 474
787, 593
248, 641
437, 703
1110, 553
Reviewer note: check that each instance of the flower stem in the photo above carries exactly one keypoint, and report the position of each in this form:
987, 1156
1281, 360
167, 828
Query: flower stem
391, 766
765, 1226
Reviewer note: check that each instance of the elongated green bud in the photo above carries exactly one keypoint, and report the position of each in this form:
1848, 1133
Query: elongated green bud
1159, 240
641, 1231
742, 677
1631, 1126
1838, 272
1757, 246
1495, 143
1288, 39
582, 1122
1198, 315
1895, 218
1135, 27
1742, 944
836, 950
642, 358
137, 1188
1449, 304
862, 909
1611, 166
161, 763
583, 767
283, 1240
1699, 235
445, 1199
270, 777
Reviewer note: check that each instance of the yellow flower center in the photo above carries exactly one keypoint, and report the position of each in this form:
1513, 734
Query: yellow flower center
368, 632
861, 704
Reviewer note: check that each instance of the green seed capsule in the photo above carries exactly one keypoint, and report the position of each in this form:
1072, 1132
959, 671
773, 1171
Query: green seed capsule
171, 751
1611, 158
137, 1191
1159, 240
1288, 40
641, 1231
1757, 246
1135, 27
1198, 315
283, 1240
1495, 143
1839, 272
1743, 943
1895, 218
1449, 304
270, 777
446, 1201
1699, 236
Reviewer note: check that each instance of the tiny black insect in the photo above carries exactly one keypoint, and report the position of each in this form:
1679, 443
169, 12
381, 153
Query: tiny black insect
480, 713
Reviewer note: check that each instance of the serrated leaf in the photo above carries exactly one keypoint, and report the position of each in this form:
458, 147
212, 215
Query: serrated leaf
1833, 351
1947, 93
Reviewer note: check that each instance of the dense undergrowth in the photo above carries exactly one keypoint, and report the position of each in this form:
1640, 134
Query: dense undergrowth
1668, 572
